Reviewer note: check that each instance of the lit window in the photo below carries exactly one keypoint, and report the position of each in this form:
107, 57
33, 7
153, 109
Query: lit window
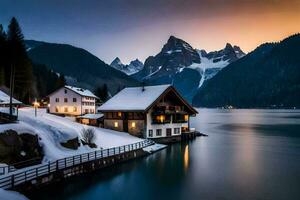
116, 124
133, 124
160, 118
74, 109
66, 109
56, 109
119, 114
186, 117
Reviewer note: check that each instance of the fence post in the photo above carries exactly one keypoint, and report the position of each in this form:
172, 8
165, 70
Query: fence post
48, 168
95, 155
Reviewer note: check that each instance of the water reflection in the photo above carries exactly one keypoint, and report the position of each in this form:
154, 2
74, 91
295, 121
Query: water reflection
186, 158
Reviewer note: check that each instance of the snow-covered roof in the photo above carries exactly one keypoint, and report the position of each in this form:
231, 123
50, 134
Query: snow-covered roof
92, 116
81, 91
4, 99
134, 98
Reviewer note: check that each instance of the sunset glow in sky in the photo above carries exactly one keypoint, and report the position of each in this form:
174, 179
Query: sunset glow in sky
133, 29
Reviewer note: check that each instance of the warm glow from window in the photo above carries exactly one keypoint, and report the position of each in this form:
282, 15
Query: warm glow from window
119, 114
116, 124
186, 117
160, 118
133, 124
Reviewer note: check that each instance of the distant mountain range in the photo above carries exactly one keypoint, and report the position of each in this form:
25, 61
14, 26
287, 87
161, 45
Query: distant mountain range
80, 67
133, 67
269, 76
178, 63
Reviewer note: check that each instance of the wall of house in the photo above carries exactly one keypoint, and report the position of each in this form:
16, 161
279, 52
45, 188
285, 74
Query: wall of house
88, 108
163, 127
61, 105
110, 124
138, 130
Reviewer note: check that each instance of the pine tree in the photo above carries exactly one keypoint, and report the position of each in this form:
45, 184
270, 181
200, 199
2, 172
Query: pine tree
19, 63
2, 55
102, 93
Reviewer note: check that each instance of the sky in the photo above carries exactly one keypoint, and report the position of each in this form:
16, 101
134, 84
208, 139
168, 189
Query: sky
133, 29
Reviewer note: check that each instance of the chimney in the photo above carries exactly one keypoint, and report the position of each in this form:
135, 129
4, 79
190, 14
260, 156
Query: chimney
143, 86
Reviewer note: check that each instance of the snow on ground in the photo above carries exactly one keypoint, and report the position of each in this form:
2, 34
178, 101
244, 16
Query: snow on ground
53, 129
154, 148
11, 195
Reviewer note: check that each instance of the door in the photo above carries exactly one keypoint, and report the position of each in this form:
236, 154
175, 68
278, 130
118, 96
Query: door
169, 132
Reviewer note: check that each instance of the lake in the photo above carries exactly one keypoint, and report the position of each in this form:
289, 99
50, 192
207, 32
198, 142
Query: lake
249, 154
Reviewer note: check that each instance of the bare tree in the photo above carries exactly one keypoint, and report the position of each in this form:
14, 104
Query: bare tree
88, 135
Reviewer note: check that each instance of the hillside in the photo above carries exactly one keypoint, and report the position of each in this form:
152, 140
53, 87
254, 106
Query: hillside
79, 64
267, 77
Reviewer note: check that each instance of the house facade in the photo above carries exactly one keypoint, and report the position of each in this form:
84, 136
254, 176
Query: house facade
70, 100
154, 112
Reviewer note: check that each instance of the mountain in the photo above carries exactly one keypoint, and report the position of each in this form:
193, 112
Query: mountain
269, 76
178, 63
78, 65
133, 67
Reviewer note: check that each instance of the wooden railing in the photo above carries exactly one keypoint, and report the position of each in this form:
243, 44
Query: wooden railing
16, 178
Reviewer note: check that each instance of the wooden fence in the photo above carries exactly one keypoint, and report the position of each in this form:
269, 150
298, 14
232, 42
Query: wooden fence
18, 177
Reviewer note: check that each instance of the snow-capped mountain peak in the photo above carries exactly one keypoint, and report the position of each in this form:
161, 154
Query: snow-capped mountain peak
133, 67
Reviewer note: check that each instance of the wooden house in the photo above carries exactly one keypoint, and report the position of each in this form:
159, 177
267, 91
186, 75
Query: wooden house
154, 112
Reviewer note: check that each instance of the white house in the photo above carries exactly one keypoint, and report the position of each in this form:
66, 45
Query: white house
71, 100
155, 112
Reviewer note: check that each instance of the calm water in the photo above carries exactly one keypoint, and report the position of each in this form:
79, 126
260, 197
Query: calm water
249, 154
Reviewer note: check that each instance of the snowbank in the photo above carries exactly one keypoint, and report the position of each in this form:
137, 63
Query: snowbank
52, 130
11, 195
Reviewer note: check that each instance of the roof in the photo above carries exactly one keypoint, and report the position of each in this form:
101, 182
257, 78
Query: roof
135, 99
4, 99
81, 91
91, 116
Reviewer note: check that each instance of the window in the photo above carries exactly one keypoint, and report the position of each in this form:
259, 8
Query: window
119, 114
158, 132
56, 109
86, 110
65, 100
133, 124
186, 118
91, 110
74, 100
150, 133
66, 109
116, 124
66, 91
74, 109
56, 99
176, 130
160, 118
169, 132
